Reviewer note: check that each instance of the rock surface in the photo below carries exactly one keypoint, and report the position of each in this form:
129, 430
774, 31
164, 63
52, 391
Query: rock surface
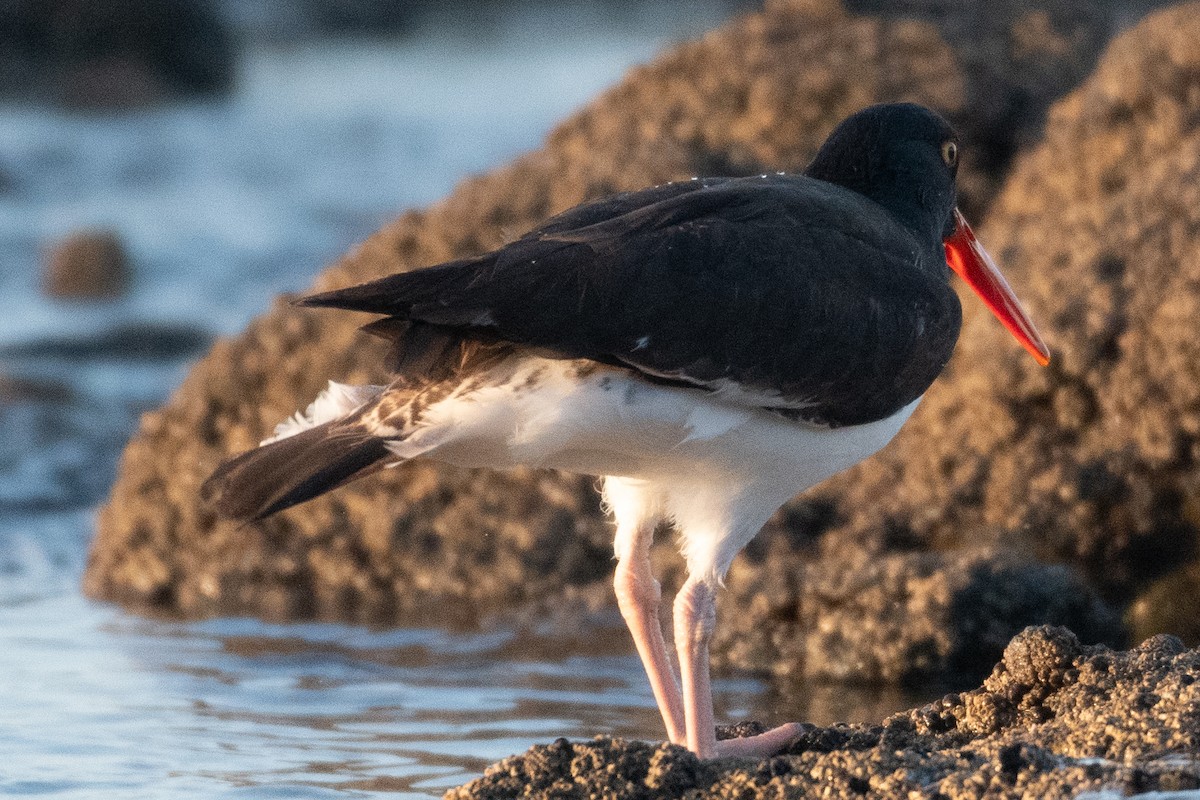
425, 542
1092, 462
1053, 720
87, 265
1017, 58
894, 618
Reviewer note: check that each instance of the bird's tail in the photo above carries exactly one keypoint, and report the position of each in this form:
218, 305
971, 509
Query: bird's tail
288, 471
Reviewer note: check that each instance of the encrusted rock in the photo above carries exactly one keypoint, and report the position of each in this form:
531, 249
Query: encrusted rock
1089, 463
896, 618
1054, 719
1092, 461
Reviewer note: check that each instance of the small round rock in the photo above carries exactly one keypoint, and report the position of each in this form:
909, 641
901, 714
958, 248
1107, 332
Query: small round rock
87, 265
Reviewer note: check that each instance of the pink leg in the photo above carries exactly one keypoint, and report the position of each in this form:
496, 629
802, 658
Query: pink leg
695, 618
639, 595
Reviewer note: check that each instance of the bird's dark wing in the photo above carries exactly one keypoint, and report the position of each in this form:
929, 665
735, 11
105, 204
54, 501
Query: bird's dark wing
780, 292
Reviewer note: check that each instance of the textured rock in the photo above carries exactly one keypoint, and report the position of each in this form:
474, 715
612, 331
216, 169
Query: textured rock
1092, 461
1017, 58
898, 618
1054, 719
758, 94
88, 265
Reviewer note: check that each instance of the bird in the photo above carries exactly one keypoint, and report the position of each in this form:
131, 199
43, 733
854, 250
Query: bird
709, 348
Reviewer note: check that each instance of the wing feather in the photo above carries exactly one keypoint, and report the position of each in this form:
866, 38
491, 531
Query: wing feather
791, 288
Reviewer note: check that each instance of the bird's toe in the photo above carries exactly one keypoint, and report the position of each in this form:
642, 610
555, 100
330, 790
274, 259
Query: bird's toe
761, 745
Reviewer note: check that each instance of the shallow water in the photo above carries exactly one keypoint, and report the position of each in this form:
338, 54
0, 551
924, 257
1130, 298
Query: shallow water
97, 703
222, 206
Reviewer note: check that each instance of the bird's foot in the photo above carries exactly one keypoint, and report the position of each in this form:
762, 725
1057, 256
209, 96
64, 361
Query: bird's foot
762, 745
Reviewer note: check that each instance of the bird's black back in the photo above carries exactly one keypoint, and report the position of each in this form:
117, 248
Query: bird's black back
780, 291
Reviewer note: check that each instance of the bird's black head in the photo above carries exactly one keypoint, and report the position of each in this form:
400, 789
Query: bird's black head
901, 155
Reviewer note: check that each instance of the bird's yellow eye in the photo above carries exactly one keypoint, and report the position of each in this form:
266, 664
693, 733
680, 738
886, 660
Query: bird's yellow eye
950, 153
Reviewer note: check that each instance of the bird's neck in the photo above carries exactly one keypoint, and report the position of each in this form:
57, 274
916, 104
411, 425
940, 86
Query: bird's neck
922, 212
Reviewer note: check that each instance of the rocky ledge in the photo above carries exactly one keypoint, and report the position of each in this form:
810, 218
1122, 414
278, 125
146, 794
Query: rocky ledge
1015, 496
1055, 719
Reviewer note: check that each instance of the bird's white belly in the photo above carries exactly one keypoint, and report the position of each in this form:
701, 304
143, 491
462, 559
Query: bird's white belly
717, 470
609, 422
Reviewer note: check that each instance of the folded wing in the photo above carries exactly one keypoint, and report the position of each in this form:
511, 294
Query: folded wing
779, 292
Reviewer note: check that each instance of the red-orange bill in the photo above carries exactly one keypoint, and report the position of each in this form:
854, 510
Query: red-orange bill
966, 256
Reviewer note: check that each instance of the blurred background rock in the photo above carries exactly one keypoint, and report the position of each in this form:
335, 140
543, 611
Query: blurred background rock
113, 54
89, 264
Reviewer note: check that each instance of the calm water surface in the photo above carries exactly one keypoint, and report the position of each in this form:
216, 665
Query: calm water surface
222, 206
96, 703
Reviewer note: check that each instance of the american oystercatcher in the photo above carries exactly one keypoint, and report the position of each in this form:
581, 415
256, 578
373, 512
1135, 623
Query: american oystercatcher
710, 347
